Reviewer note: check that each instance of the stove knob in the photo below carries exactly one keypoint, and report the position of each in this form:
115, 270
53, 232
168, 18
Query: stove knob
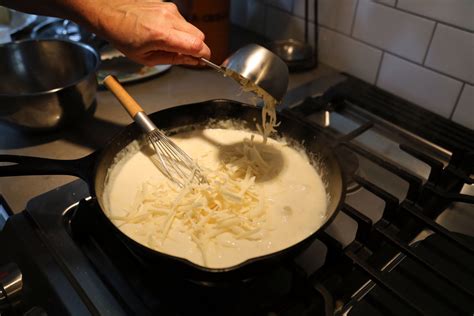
11, 285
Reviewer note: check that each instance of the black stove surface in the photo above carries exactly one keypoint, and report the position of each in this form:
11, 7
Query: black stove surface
72, 264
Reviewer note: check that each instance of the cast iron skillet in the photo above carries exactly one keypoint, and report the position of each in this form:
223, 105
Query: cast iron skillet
93, 169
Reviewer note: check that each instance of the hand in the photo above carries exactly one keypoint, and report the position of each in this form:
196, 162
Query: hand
150, 32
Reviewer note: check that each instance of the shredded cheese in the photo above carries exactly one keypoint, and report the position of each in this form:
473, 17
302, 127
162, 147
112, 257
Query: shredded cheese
228, 203
269, 118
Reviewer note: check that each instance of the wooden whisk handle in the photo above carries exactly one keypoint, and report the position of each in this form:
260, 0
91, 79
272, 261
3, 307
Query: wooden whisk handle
122, 95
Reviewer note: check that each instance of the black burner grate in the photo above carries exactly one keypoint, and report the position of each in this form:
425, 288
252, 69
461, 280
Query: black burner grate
421, 282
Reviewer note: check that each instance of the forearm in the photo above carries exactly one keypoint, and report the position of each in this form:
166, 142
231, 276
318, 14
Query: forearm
148, 32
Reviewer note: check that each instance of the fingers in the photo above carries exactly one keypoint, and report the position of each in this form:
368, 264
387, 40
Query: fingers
152, 32
160, 57
183, 43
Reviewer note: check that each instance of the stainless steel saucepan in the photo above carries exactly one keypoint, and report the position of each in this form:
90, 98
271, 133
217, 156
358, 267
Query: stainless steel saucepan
45, 84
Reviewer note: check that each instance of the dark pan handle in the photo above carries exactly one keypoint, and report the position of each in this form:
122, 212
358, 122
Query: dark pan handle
25, 165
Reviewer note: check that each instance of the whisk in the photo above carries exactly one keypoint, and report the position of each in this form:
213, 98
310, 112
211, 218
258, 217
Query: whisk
172, 161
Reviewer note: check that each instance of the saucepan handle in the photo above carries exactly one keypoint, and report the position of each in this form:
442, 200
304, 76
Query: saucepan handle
12, 165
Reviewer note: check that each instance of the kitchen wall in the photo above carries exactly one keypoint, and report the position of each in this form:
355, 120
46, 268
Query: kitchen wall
421, 50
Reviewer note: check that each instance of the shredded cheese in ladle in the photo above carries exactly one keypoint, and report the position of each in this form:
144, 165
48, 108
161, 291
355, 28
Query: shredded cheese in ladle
269, 118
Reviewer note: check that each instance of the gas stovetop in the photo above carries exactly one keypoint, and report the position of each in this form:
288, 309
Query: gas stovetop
402, 244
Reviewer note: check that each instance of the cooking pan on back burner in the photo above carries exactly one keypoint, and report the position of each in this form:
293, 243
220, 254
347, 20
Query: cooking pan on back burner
93, 169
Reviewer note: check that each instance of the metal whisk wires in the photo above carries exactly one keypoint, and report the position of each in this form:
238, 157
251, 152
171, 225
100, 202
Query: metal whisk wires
171, 160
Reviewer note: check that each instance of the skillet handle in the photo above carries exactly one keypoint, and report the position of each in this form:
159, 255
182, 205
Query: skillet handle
25, 165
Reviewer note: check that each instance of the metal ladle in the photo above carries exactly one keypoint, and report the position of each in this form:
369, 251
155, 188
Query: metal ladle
258, 65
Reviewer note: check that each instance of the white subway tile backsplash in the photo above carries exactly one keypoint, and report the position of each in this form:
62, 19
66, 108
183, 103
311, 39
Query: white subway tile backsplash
398, 32
248, 14
286, 5
421, 86
335, 14
464, 113
396, 44
346, 54
455, 12
452, 52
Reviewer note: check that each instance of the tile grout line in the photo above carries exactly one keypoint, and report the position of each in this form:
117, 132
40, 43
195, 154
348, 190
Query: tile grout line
379, 68
388, 6
354, 16
425, 17
434, 20
429, 43
395, 54
457, 101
